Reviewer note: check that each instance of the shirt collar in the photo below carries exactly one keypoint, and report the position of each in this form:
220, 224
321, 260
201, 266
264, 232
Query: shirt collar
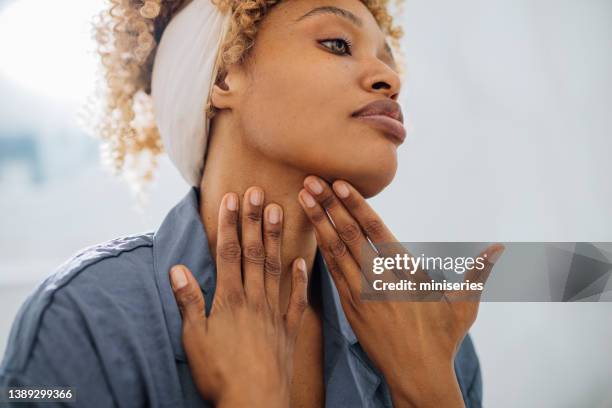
181, 238
351, 368
332, 307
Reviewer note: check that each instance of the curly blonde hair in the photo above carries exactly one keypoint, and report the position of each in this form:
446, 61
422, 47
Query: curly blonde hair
127, 33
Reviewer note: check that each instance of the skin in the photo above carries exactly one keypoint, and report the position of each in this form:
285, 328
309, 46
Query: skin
383, 327
241, 354
278, 122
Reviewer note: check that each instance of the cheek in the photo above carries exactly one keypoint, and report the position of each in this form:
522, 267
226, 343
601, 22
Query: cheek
290, 109
302, 117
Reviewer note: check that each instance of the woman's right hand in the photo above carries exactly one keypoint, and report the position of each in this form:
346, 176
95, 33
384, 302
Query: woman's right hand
241, 354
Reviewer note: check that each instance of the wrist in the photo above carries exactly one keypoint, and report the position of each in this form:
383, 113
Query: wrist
428, 386
254, 398
242, 401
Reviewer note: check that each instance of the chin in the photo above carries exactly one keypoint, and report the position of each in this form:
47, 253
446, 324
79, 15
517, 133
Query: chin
371, 180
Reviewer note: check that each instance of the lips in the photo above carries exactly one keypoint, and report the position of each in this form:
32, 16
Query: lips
385, 114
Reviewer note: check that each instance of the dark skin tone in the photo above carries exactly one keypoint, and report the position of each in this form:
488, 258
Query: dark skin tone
241, 354
279, 122
435, 329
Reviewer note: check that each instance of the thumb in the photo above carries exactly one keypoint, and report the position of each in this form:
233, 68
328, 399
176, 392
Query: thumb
187, 293
298, 299
489, 257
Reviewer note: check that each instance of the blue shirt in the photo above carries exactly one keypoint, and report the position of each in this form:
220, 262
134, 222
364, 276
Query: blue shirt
106, 323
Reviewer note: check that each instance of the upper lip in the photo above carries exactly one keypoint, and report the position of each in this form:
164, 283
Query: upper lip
386, 107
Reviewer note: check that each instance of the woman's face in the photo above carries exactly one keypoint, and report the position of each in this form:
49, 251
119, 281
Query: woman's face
306, 81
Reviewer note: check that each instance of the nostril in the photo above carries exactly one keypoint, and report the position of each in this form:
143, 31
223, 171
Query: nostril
381, 84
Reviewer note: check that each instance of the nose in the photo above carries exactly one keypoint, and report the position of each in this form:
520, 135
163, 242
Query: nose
382, 78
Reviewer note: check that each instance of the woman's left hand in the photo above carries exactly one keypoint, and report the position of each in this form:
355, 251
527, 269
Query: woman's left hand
405, 340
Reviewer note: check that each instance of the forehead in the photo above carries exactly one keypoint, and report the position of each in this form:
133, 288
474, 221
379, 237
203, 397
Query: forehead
289, 16
290, 12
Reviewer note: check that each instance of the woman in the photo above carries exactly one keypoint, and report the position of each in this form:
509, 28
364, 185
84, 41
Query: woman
289, 89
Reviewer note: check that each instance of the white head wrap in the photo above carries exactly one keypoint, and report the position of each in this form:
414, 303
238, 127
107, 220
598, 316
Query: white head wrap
182, 80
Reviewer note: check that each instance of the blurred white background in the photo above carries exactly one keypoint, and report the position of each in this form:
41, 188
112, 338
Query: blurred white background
510, 101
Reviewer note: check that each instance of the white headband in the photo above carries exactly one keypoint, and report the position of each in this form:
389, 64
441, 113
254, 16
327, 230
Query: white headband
181, 82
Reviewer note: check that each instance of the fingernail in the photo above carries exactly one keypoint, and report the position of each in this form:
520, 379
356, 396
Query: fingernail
255, 197
495, 255
230, 202
274, 215
341, 189
301, 264
178, 277
308, 199
314, 186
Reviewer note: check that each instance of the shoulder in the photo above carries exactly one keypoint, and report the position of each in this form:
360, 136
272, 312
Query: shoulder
129, 257
96, 257
62, 305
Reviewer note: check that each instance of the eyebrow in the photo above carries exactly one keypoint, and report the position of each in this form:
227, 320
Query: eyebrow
346, 15
333, 10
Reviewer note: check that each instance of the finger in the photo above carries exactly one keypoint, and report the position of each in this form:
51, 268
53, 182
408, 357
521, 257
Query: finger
228, 250
273, 232
489, 257
298, 299
339, 279
375, 229
368, 219
253, 253
332, 247
477, 274
347, 227
187, 294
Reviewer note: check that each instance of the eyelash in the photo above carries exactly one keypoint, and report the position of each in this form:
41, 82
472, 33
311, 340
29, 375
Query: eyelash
344, 40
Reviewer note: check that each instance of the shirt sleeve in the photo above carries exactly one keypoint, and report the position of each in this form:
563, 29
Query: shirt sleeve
474, 393
467, 368
50, 346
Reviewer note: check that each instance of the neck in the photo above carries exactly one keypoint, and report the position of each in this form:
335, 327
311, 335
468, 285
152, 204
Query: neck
232, 166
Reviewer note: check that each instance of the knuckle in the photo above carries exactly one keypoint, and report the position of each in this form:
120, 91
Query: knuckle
187, 297
330, 264
234, 298
337, 248
334, 269
300, 304
373, 227
231, 218
318, 217
230, 251
253, 216
350, 233
254, 253
272, 266
257, 306
351, 203
328, 201
273, 234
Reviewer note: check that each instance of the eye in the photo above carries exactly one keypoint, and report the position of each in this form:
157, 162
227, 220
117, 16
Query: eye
340, 46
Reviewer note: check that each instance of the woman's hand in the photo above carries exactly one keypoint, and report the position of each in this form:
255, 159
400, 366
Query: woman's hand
241, 354
412, 343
